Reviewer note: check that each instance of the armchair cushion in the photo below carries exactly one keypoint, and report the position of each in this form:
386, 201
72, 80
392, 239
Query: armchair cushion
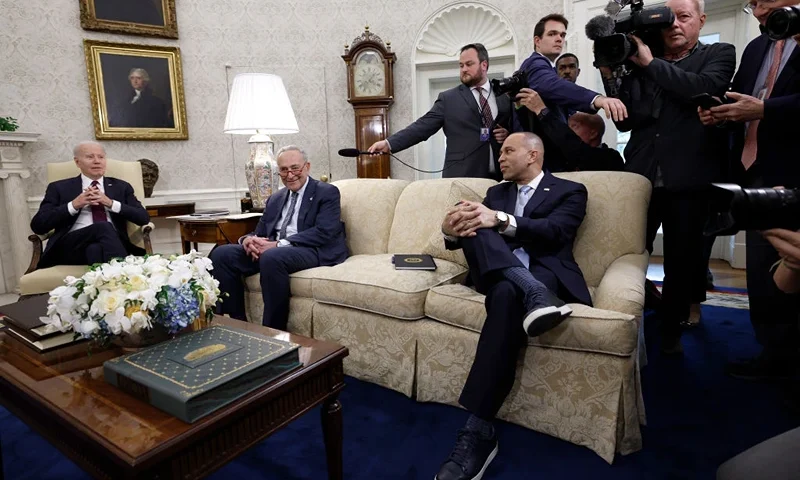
587, 329
370, 283
46, 279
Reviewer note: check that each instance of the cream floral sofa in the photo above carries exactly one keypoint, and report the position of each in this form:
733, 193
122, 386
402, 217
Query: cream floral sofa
416, 331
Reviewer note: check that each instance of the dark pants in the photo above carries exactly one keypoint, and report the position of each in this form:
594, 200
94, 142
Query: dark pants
682, 215
494, 368
231, 263
97, 243
774, 314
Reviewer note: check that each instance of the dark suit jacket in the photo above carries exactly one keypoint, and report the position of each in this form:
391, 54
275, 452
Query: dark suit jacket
666, 132
575, 154
148, 112
53, 213
319, 221
547, 230
457, 112
777, 131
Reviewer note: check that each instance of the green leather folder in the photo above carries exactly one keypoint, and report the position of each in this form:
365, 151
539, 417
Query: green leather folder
195, 374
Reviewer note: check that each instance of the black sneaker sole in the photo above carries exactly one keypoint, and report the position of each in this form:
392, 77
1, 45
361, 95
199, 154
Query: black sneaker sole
479, 475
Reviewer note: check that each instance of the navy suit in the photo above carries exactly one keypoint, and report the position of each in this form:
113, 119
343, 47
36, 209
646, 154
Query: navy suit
562, 97
773, 313
319, 241
457, 112
65, 248
546, 230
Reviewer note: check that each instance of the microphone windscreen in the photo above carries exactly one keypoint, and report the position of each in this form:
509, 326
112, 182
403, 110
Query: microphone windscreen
599, 27
349, 152
613, 7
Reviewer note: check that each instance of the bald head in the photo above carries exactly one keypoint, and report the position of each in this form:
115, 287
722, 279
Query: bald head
521, 157
589, 127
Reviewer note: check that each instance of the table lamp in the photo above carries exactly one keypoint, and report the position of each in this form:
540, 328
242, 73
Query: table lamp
259, 106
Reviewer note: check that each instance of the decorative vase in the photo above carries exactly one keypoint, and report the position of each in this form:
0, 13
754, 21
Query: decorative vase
261, 171
131, 342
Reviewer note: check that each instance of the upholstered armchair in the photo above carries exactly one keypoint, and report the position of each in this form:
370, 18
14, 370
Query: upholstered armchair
42, 280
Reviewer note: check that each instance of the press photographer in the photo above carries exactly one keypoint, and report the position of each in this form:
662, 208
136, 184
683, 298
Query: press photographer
562, 97
762, 123
670, 146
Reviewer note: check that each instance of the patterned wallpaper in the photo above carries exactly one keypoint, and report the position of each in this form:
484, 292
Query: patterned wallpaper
43, 79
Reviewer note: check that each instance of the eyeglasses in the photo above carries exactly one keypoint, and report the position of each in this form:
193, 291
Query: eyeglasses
750, 6
294, 170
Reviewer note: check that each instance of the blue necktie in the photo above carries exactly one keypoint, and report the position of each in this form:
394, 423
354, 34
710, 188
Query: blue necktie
523, 195
288, 219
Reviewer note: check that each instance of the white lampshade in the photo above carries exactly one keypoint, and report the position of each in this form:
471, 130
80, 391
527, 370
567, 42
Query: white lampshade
259, 104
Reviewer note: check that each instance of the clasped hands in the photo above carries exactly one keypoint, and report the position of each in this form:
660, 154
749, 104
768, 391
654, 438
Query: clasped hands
254, 246
92, 196
465, 218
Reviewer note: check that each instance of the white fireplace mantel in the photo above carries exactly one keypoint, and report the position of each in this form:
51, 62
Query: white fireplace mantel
13, 170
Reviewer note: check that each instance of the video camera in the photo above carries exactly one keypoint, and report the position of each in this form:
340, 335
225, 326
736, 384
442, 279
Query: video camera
783, 23
510, 85
611, 32
733, 208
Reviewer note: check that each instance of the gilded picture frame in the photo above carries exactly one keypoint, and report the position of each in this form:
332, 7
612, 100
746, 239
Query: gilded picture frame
136, 91
154, 18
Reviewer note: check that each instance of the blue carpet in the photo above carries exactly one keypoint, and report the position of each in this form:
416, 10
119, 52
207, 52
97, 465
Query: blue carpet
697, 418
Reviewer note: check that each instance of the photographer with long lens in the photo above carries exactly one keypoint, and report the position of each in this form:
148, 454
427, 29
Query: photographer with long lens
561, 96
668, 143
763, 124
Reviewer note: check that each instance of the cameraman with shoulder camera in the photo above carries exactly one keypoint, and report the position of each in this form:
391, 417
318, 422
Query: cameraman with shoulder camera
561, 96
674, 150
762, 123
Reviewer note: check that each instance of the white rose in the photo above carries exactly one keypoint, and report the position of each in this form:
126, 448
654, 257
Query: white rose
87, 328
140, 320
138, 282
108, 301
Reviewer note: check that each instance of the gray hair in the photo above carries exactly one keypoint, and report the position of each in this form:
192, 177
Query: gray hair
77, 150
140, 71
291, 148
533, 141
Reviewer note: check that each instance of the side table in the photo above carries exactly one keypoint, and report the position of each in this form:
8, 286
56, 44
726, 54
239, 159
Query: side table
169, 209
219, 231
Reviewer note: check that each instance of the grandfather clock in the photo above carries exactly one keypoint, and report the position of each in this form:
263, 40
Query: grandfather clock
370, 89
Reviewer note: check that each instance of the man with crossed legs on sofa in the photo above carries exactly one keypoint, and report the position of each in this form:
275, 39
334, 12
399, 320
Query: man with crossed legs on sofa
518, 245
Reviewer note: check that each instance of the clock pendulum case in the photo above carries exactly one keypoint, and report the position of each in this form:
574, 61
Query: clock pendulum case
370, 89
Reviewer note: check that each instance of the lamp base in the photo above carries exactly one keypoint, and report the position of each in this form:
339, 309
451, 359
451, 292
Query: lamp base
261, 170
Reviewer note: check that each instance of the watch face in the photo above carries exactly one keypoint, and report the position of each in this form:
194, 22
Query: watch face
369, 75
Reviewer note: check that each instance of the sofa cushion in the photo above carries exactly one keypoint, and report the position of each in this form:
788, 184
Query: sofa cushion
370, 283
615, 222
299, 282
435, 246
587, 329
46, 279
420, 211
368, 206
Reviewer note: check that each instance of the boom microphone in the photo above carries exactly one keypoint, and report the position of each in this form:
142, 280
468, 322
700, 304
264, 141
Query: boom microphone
613, 7
354, 152
600, 26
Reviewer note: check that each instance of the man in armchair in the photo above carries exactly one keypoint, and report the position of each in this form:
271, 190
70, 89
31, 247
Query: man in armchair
88, 213
518, 245
301, 228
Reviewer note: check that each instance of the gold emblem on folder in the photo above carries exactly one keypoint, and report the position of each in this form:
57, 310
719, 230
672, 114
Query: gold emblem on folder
412, 260
206, 351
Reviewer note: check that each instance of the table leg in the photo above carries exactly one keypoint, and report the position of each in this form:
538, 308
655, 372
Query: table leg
196, 247
332, 433
186, 246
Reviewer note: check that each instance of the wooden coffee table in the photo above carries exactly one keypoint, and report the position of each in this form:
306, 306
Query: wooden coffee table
110, 434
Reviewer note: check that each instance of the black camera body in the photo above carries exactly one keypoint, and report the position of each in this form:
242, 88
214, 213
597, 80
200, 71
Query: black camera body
613, 48
510, 85
733, 208
783, 23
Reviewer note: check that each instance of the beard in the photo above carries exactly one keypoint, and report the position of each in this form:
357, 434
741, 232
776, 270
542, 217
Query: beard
471, 81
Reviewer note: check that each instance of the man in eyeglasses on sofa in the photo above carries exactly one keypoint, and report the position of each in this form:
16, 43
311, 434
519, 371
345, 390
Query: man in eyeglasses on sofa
301, 228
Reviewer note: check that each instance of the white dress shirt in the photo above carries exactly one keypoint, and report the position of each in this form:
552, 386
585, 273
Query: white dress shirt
492, 102
137, 96
291, 229
85, 214
511, 230
519, 208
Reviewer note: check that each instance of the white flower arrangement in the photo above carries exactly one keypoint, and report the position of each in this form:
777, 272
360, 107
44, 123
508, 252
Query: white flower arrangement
126, 296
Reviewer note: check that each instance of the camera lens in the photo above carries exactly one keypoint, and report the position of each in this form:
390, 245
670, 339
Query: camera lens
783, 23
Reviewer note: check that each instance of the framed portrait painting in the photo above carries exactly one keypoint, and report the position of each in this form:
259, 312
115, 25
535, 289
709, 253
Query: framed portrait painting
137, 17
136, 91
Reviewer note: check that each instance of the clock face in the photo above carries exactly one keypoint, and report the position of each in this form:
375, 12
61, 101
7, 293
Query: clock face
369, 75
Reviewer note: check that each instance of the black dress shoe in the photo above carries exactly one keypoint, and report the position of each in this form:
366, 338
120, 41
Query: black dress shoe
762, 367
470, 457
709, 280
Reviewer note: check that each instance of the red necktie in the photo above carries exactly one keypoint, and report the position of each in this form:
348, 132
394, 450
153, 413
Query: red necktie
486, 111
98, 211
751, 137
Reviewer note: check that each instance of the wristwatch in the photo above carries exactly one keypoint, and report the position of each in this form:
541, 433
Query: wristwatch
502, 220
543, 113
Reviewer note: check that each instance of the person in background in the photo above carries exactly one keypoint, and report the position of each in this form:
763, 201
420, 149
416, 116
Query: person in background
568, 67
